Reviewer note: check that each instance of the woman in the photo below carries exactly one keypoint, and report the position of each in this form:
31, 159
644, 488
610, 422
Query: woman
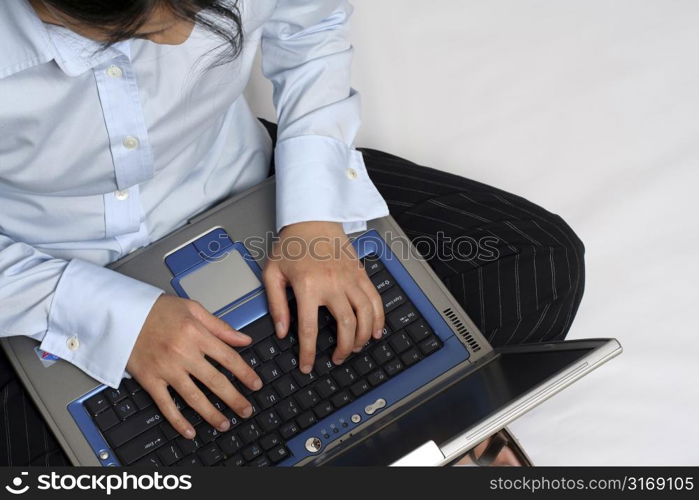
121, 120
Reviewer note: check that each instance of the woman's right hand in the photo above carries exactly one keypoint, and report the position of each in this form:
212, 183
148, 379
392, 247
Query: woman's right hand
170, 350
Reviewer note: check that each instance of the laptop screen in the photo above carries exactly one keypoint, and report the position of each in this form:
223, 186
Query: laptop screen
461, 406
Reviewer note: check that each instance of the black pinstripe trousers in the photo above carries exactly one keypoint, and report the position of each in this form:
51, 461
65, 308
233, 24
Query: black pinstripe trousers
524, 285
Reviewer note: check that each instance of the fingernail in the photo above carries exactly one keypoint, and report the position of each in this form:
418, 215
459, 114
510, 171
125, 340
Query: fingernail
247, 412
339, 361
242, 336
306, 368
189, 433
223, 427
357, 349
378, 333
280, 326
257, 385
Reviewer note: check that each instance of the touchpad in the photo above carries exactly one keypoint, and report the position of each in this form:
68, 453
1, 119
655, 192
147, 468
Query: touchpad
220, 282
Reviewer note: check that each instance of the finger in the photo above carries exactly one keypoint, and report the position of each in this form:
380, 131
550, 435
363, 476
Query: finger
346, 321
163, 400
307, 307
222, 387
218, 327
364, 312
275, 285
232, 361
196, 399
379, 319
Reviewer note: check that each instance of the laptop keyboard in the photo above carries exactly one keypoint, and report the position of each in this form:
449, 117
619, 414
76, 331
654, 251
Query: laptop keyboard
289, 402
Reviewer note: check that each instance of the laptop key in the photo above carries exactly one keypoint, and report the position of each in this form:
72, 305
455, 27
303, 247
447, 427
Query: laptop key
261, 461
127, 430
107, 419
393, 298
411, 357
287, 361
377, 377
269, 372
267, 349
289, 430
360, 388
169, 454
270, 441
132, 386
382, 353
341, 399
418, 330
393, 367
326, 387
345, 376
324, 317
234, 461
266, 397
286, 386
169, 431
323, 409
323, 364
97, 403
210, 454
382, 281
251, 452
189, 461
193, 417
307, 398
229, 443
151, 460
400, 341
303, 379
278, 454
305, 420
125, 408
140, 446
430, 345
206, 433
372, 265
401, 317
288, 409
188, 446
116, 395
250, 358
326, 340
364, 364
249, 432
269, 420
260, 329
142, 400
287, 342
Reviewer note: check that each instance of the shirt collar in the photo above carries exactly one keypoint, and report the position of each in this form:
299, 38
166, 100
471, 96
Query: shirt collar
28, 42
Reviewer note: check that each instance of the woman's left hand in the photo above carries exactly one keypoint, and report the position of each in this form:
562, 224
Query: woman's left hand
317, 260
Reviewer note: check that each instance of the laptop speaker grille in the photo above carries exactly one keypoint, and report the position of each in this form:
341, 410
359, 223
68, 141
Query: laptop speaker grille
461, 329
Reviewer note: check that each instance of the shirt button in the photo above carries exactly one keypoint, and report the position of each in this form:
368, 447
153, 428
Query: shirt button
73, 343
114, 71
121, 195
130, 142
352, 173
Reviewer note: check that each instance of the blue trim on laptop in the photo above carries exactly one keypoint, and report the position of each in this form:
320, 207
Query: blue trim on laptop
254, 305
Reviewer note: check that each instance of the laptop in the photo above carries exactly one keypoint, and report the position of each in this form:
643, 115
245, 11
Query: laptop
430, 389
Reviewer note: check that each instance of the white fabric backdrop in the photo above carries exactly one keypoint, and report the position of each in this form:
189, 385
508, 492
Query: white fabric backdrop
590, 108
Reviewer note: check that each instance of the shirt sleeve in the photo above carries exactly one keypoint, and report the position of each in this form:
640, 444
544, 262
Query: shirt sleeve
307, 56
85, 314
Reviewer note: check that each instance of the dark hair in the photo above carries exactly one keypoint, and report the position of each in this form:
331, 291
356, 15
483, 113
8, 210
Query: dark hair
121, 19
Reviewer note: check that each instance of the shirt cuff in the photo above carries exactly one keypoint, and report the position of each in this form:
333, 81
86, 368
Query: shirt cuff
322, 179
95, 317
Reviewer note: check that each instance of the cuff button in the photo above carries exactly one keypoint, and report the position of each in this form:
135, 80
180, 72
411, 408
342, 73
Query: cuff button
352, 174
73, 343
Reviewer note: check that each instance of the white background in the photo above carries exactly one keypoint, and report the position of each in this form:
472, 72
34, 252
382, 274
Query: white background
589, 108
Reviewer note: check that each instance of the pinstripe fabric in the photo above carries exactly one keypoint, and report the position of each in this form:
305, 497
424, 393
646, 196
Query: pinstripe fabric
24, 437
531, 291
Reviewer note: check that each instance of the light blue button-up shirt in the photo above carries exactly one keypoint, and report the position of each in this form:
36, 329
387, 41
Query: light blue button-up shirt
104, 151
